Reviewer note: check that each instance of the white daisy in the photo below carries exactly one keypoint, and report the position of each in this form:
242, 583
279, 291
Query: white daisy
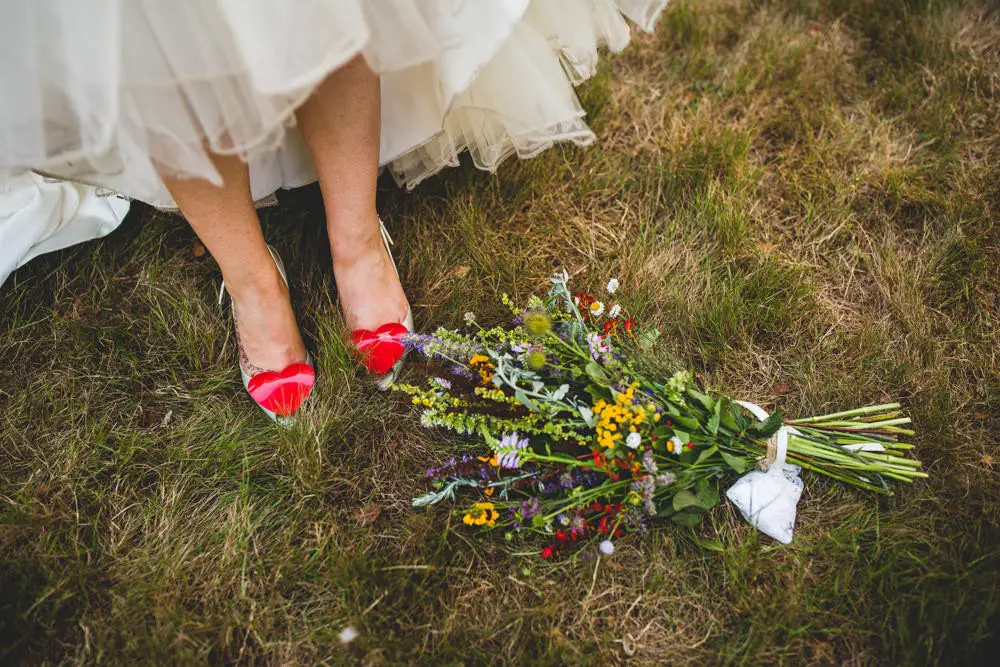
597, 309
633, 440
348, 635
615, 311
612, 286
607, 547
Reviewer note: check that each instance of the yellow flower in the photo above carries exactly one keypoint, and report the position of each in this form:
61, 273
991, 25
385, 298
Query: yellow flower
481, 514
481, 364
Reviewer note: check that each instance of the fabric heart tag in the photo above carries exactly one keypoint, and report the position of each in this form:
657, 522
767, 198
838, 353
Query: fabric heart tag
283, 392
380, 349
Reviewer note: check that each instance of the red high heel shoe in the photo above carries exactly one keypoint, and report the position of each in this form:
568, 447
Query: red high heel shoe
381, 350
278, 393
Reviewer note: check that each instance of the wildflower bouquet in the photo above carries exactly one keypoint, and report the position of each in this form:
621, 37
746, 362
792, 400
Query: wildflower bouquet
584, 443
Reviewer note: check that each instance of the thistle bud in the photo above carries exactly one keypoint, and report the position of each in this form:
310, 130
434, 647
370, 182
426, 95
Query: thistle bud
535, 360
537, 322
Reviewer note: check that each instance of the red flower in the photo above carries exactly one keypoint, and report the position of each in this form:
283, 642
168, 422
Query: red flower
629, 323
583, 303
561, 536
548, 551
603, 526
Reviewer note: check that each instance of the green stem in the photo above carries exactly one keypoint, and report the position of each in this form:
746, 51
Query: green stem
885, 407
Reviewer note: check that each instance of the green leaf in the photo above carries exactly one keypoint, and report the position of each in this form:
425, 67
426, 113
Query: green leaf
689, 517
597, 374
685, 438
688, 423
525, 401
597, 393
706, 454
647, 339
707, 401
713, 422
707, 495
768, 427
711, 545
735, 462
684, 499
730, 417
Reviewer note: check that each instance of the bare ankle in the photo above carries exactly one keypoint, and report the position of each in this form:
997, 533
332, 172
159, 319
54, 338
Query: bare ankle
256, 286
352, 238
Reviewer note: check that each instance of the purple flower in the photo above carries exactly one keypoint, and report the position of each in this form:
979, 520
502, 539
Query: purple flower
579, 477
648, 462
431, 345
530, 507
647, 488
466, 466
509, 450
597, 346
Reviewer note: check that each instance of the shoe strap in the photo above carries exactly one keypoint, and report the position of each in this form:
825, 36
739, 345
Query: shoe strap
281, 270
388, 244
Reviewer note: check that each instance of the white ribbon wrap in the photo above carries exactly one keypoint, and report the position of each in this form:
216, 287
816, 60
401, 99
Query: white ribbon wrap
768, 499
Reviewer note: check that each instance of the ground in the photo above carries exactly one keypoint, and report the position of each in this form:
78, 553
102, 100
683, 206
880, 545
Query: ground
801, 195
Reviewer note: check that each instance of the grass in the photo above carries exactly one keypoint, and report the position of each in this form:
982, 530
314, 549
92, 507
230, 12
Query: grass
801, 195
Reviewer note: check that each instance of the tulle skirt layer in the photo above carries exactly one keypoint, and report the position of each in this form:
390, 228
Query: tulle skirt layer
117, 92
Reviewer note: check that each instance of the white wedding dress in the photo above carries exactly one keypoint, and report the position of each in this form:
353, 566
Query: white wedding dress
112, 93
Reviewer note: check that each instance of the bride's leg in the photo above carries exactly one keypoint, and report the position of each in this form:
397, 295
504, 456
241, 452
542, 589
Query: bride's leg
341, 124
226, 222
